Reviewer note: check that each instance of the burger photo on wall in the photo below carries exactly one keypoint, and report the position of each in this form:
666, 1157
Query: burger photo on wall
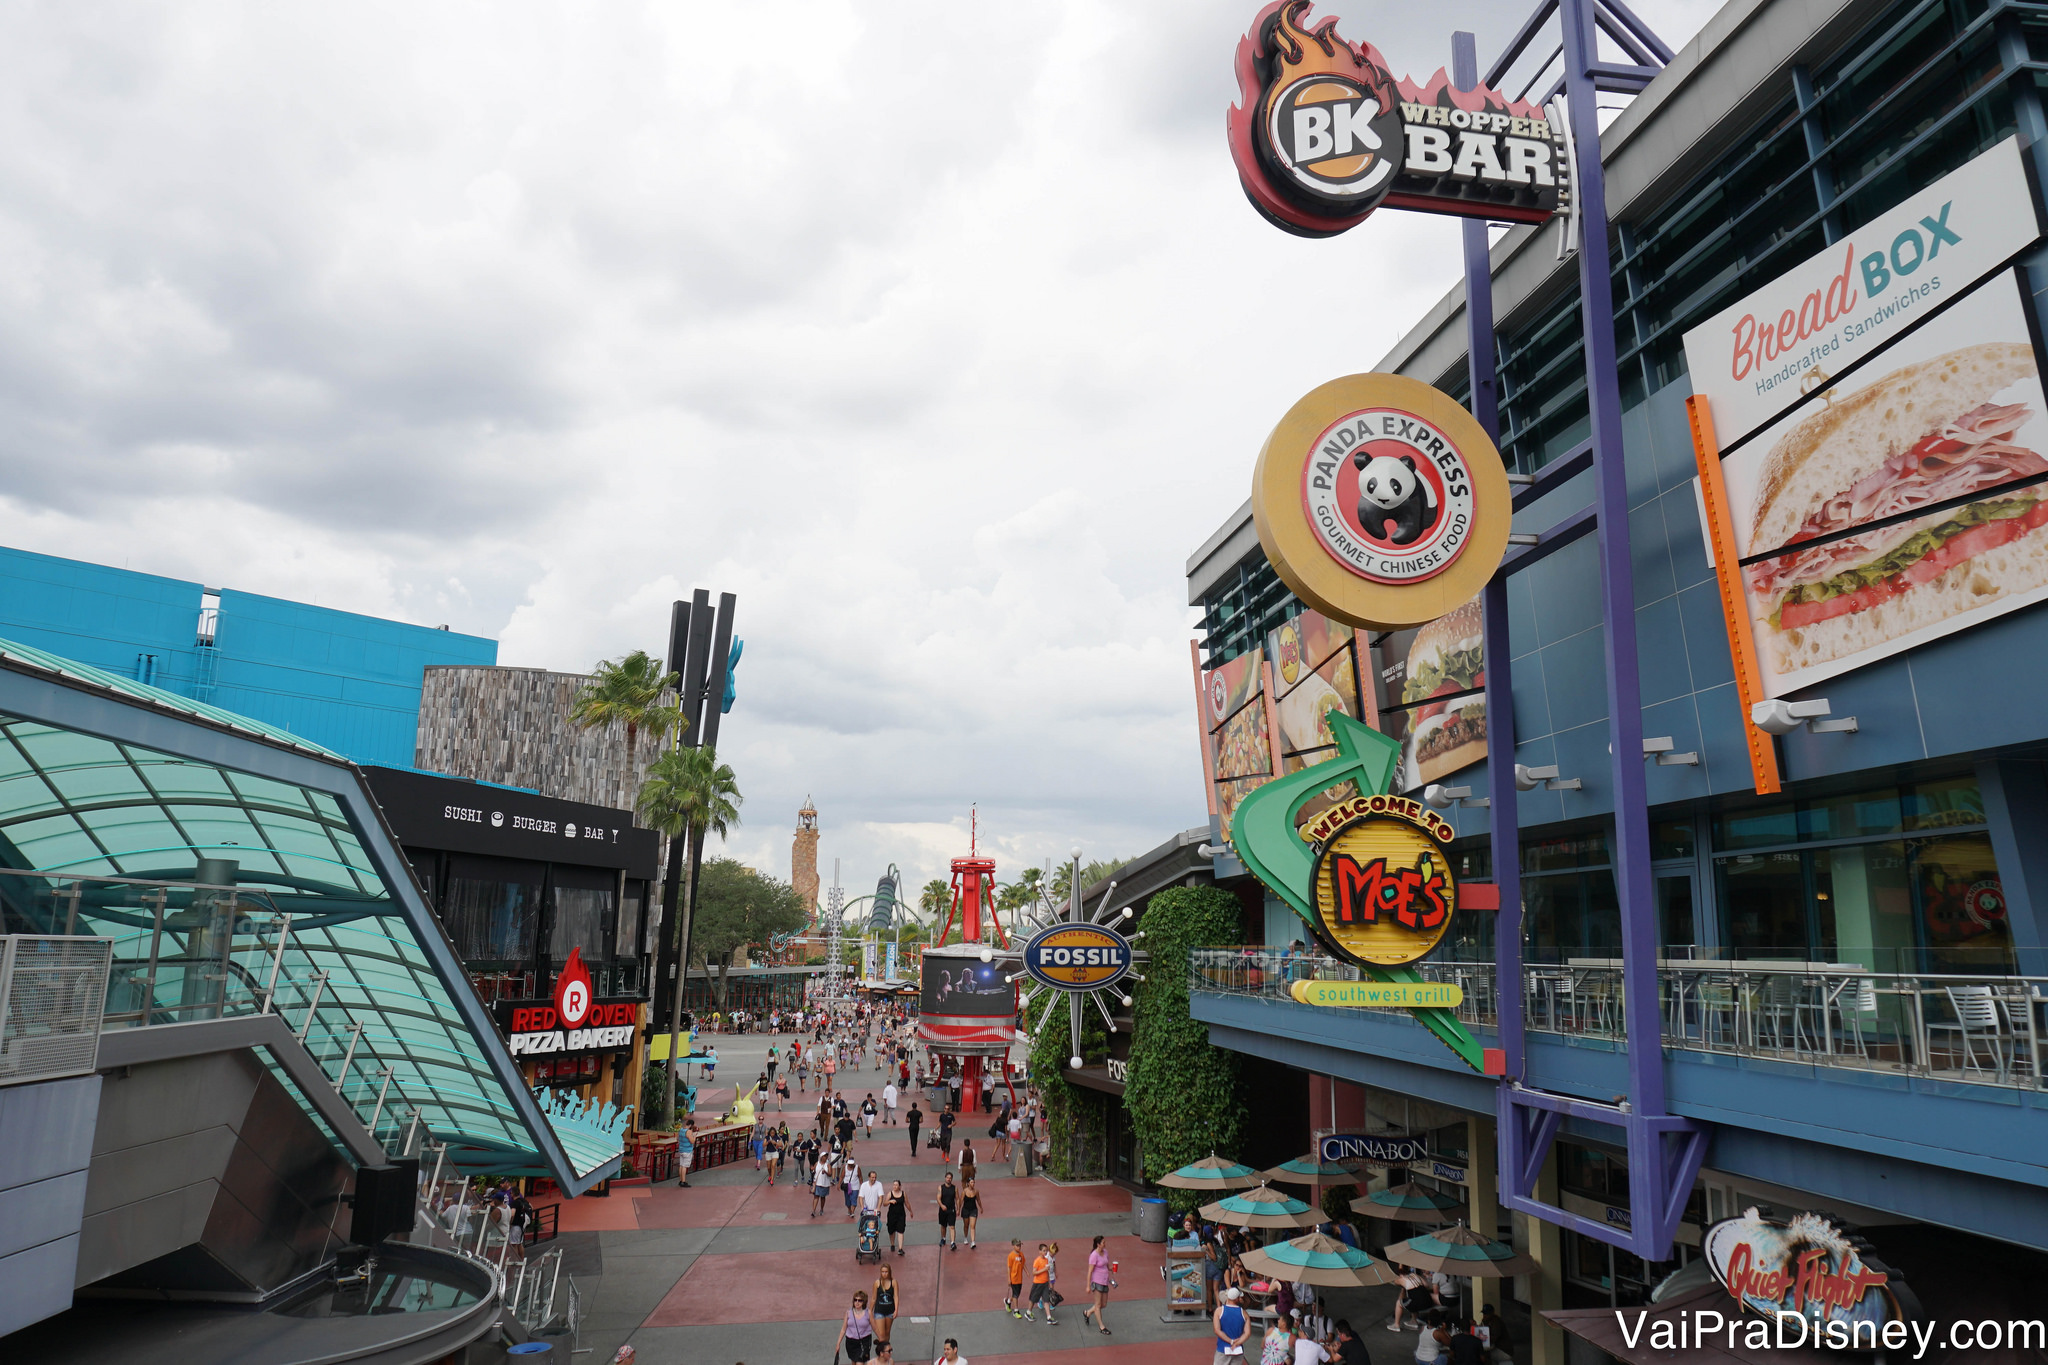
1841, 492
1446, 657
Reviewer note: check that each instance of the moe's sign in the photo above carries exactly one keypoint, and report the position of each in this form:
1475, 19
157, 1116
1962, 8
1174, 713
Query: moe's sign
1325, 134
1384, 891
573, 1023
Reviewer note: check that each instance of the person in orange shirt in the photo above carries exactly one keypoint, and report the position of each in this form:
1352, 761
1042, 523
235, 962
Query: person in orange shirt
1041, 1287
1016, 1277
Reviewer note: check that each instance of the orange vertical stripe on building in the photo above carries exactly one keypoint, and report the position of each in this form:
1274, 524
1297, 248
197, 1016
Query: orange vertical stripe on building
1749, 686
1202, 728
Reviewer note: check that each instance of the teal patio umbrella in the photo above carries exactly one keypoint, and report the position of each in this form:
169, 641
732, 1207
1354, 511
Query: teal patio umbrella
1212, 1172
1461, 1251
1409, 1203
1264, 1207
1315, 1173
1317, 1259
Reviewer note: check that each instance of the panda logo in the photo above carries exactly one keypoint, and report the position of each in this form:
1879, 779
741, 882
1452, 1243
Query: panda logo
1395, 503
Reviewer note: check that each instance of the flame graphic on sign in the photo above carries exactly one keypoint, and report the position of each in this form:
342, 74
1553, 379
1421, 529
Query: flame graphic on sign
1478, 99
1280, 48
573, 996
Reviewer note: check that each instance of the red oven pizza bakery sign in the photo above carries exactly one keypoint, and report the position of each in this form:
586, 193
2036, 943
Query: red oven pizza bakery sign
574, 1022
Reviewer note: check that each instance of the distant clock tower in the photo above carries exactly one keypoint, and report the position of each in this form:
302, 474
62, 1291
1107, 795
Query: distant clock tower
803, 859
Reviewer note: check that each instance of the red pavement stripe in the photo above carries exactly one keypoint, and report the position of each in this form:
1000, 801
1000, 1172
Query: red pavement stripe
1112, 1353
789, 1286
977, 1281
708, 1206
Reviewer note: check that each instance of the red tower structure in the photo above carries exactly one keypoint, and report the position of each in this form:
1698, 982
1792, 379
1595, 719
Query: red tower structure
977, 1034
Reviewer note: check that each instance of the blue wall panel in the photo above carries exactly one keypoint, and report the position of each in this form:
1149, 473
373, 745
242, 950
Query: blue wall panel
109, 618
349, 682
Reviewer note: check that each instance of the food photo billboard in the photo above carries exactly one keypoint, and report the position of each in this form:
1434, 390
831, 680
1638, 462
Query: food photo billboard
1869, 428
1902, 504
1430, 695
1239, 737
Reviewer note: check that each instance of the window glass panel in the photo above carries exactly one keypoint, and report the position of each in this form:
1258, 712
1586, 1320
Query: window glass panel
1602, 926
1962, 905
1850, 817
1943, 805
1670, 839
1765, 900
1676, 935
1759, 827
1552, 908
492, 909
1862, 889
580, 917
627, 943
1566, 851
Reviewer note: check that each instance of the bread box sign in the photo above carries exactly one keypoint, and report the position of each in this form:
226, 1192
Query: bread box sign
1763, 353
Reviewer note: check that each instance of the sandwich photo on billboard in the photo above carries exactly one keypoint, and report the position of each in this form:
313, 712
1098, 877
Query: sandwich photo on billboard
1901, 507
1446, 713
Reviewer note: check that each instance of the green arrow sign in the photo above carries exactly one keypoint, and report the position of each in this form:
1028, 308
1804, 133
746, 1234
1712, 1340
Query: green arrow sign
1264, 836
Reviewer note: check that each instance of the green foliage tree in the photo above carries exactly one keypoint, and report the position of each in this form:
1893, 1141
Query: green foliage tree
1070, 1110
1181, 1093
687, 792
635, 693
737, 906
933, 902
1062, 886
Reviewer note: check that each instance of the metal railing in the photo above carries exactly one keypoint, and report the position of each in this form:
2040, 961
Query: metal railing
176, 952
1984, 1029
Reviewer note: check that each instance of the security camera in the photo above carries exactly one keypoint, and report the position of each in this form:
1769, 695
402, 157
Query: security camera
1779, 717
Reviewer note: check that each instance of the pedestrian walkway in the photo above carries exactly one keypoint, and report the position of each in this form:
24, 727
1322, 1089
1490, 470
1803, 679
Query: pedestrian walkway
732, 1270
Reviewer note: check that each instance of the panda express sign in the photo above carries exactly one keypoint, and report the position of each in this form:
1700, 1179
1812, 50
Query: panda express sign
1381, 502
1325, 134
573, 1024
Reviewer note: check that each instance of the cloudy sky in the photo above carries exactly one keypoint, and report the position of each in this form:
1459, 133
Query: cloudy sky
941, 335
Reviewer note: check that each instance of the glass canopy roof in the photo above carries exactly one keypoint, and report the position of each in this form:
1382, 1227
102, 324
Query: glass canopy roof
121, 795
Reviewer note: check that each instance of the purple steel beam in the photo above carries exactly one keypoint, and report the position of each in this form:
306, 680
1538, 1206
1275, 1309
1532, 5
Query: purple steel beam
1664, 1151
1502, 813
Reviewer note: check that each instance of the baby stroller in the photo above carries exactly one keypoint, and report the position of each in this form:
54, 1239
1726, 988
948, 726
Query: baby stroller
869, 1248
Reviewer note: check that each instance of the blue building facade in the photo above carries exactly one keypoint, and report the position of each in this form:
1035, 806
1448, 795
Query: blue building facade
1852, 971
349, 683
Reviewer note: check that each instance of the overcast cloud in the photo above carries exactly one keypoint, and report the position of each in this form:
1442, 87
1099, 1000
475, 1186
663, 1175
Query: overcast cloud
941, 335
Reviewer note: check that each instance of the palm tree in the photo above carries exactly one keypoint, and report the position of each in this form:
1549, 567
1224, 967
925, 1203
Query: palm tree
633, 692
934, 901
687, 793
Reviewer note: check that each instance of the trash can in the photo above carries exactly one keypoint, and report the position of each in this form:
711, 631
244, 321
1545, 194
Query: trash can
1148, 1219
1020, 1159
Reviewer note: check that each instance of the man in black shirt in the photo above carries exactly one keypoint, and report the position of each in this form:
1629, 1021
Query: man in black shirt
1350, 1350
915, 1118
845, 1127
